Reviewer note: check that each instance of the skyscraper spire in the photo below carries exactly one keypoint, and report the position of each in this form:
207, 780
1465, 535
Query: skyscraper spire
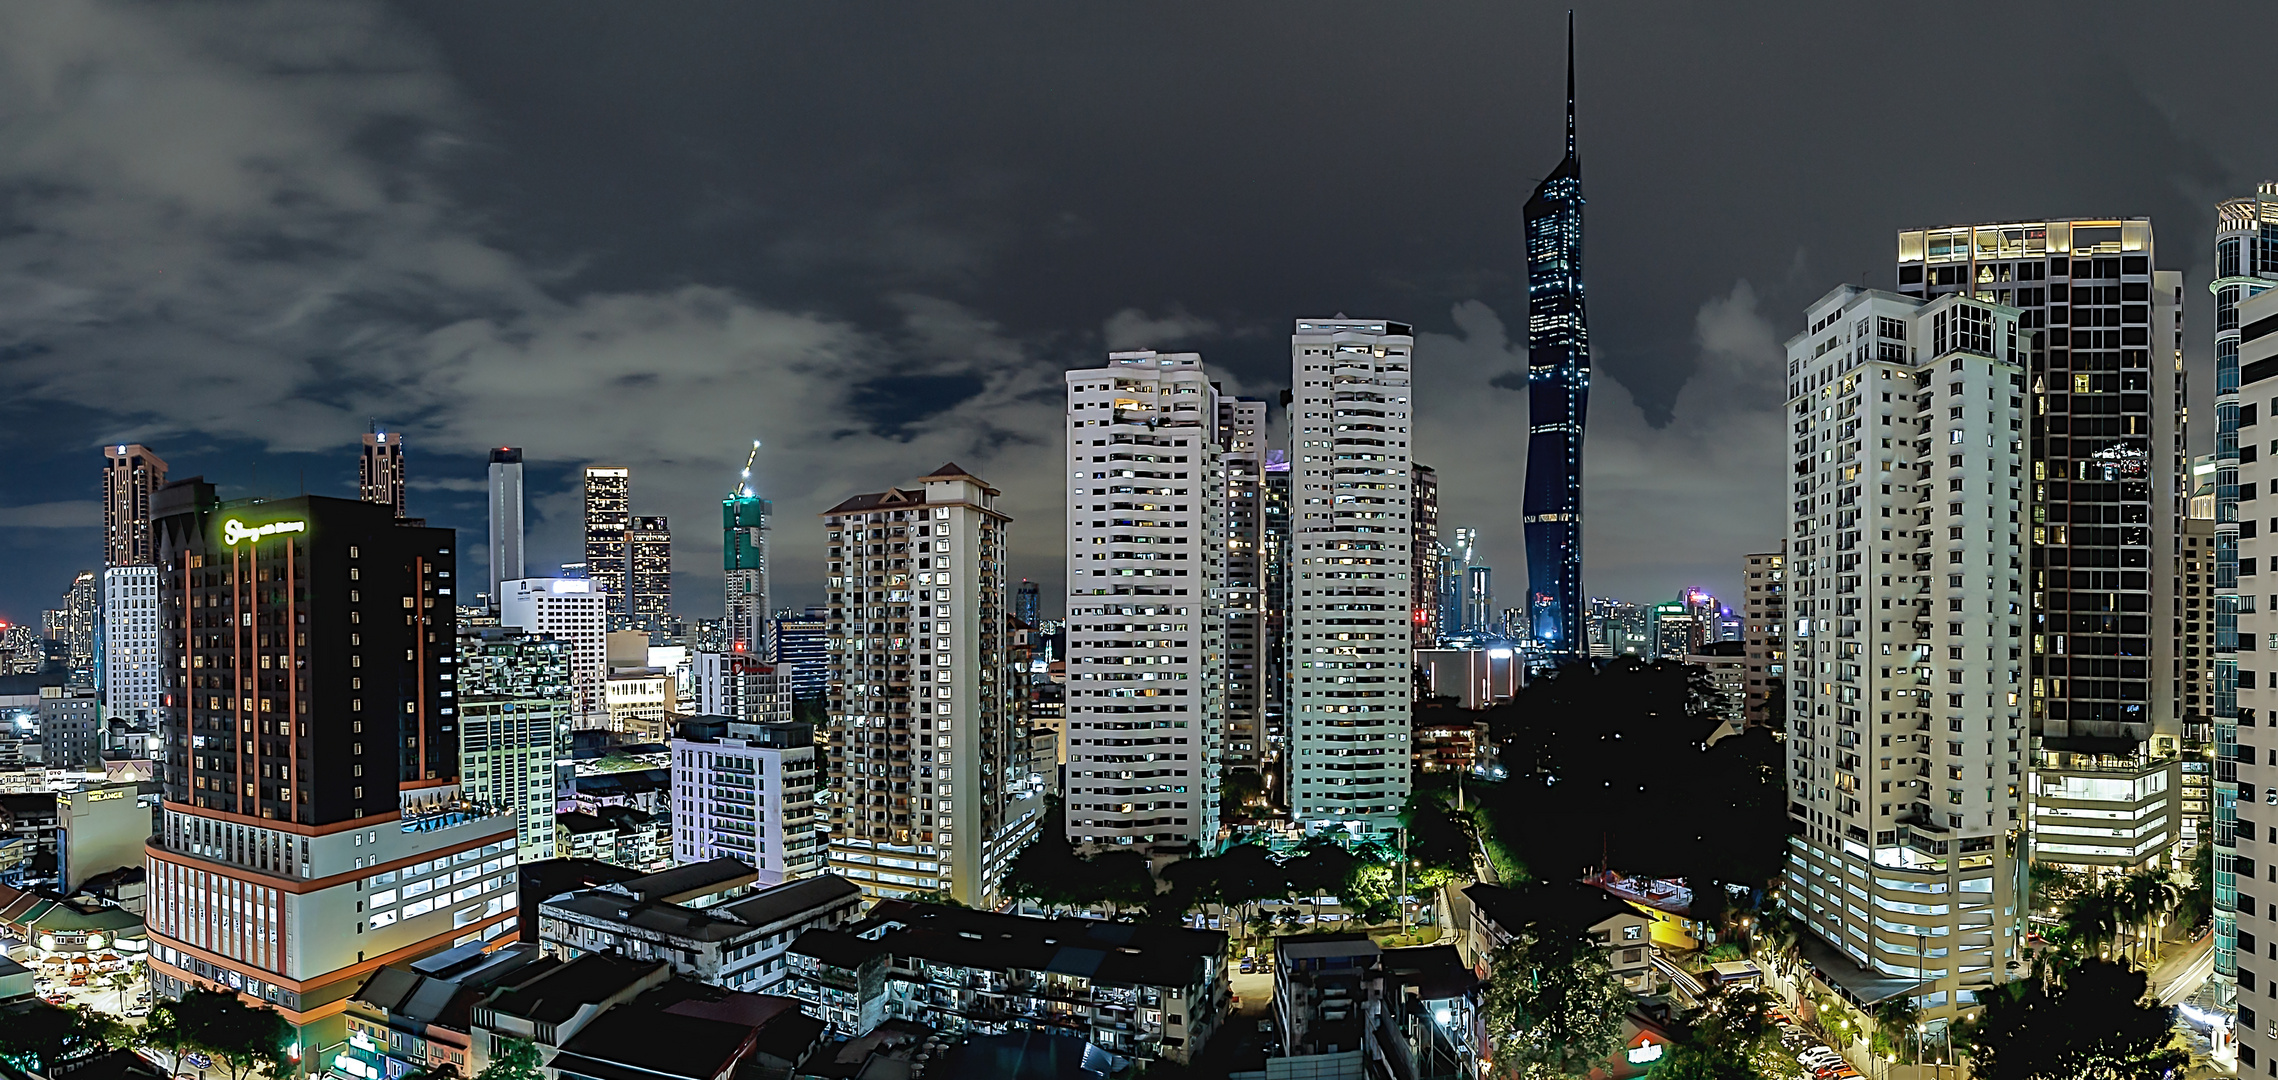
1558, 399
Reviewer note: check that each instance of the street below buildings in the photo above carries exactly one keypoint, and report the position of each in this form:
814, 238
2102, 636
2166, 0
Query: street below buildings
2183, 971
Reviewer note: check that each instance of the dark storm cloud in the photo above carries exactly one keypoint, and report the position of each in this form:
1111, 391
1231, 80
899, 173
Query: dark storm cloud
873, 235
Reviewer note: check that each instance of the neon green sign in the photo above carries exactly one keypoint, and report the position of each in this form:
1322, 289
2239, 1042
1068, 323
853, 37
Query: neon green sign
234, 531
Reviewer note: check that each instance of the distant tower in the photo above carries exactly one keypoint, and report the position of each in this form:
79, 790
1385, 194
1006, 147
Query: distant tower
648, 561
505, 518
608, 513
381, 476
130, 474
743, 560
1558, 397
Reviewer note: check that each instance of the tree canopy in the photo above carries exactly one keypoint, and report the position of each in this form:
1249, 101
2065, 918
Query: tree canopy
1609, 764
2093, 1019
1553, 1006
40, 1038
242, 1038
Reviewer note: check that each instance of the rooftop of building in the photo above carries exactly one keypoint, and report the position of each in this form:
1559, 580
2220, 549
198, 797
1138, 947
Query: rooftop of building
684, 883
1571, 905
440, 990
723, 922
1438, 972
1025, 1055
551, 991
885, 1052
897, 498
691, 1030
1105, 952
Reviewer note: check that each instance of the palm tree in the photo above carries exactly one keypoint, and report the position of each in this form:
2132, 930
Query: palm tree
2152, 897
2093, 920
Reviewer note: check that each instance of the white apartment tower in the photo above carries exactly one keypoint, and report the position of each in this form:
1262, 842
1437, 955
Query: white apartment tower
576, 612
2247, 880
130, 644
1349, 551
923, 744
1906, 742
747, 791
1146, 618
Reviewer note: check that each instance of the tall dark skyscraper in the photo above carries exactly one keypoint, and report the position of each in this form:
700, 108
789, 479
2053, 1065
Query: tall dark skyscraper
1558, 397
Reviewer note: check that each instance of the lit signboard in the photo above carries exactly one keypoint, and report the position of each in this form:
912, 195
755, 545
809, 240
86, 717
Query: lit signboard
1648, 1052
234, 532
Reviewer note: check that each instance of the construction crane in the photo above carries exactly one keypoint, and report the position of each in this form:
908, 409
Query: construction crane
748, 460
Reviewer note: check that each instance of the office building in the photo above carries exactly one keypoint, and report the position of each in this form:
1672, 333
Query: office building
744, 790
71, 728
800, 651
73, 625
131, 676
313, 820
1620, 628
608, 517
2246, 263
379, 470
1905, 735
1028, 604
1558, 399
743, 561
743, 686
1146, 622
739, 941
1242, 453
1424, 557
505, 520
648, 569
1764, 614
2107, 322
1349, 644
1455, 582
131, 475
576, 613
1480, 616
920, 731
515, 711
2195, 655
1676, 628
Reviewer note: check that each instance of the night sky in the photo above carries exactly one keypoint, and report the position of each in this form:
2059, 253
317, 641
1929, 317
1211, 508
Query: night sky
873, 235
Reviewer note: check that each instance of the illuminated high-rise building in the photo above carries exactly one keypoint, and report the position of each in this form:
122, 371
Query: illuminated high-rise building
1348, 639
648, 570
1242, 455
1764, 610
1146, 623
2100, 328
313, 822
608, 517
516, 704
132, 679
1905, 733
1424, 557
379, 473
505, 519
743, 562
131, 475
2246, 265
921, 735
1558, 398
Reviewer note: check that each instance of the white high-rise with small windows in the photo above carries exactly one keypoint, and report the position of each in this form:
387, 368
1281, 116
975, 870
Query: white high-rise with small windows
1906, 744
1349, 574
747, 791
574, 611
1146, 618
131, 683
923, 742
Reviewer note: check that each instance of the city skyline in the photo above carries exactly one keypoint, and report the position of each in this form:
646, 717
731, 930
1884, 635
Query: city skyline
1676, 331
